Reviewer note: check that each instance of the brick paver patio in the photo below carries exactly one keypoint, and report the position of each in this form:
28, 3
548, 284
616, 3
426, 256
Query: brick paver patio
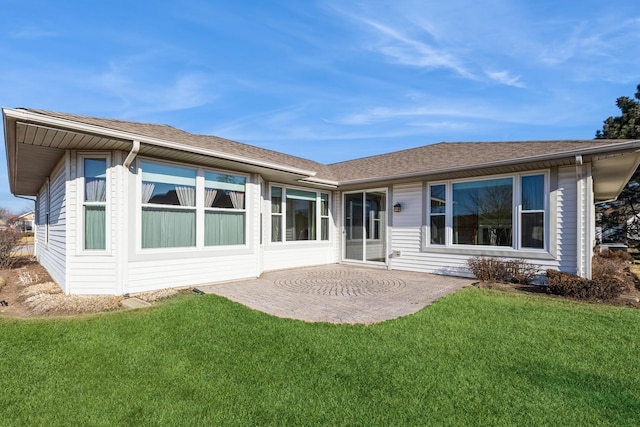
339, 293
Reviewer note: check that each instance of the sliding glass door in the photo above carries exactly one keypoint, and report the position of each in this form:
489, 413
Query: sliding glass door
365, 226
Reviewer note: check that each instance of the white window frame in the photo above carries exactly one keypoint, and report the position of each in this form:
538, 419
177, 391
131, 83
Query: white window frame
283, 215
201, 177
447, 207
81, 203
516, 244
199, 208
142, 205
544, 211
327, 216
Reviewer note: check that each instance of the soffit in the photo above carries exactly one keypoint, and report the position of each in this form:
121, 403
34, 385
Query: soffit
611, 174
39, 148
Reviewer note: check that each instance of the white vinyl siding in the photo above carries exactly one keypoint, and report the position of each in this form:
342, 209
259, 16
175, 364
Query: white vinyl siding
52, 239
286, 256
566, 227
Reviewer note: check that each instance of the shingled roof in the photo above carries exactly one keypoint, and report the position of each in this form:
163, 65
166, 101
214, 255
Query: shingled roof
208, 142
445, 156
426, 160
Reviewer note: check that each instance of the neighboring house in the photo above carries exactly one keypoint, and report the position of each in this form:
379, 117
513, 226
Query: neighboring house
125, 207
24, 222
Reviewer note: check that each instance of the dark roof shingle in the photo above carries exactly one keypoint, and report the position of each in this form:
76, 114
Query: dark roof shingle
434, 157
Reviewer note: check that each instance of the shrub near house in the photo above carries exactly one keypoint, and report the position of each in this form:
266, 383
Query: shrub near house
491, 269
9, 240
611, 278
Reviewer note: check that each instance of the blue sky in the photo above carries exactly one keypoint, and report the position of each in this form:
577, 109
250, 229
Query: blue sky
329, 80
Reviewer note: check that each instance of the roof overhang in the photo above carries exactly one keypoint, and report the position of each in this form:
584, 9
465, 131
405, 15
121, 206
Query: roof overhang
612, 172
612, 167
35, 143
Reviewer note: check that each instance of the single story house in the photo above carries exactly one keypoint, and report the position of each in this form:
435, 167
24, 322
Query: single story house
25, 222
125, 207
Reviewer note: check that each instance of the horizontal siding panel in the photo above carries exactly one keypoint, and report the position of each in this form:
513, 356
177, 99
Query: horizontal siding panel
149, 275
410, 198
52, 254
293, 256
93, 279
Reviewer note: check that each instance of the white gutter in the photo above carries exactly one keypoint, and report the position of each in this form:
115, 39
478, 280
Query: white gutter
580, 198
29, 116
132, 154
320, 181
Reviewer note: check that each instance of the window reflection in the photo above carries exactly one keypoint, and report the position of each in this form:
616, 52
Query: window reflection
483, 212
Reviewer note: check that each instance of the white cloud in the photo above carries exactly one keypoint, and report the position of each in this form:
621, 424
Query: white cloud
410, 51
387, 114
505, 78
144, 94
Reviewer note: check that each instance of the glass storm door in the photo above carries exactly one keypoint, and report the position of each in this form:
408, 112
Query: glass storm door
365, 226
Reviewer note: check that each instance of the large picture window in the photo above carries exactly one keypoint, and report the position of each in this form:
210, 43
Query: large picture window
299, 215
503, 212
95, 203
168, 198
188, 207
483, 212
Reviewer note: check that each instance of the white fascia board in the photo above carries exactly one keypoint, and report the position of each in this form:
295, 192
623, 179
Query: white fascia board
319, 181
29, 116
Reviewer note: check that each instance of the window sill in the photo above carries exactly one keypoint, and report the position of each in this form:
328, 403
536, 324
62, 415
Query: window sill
94, 253
490, 251
298, 243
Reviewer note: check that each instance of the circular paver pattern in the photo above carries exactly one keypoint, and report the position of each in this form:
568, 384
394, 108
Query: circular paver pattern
339, 283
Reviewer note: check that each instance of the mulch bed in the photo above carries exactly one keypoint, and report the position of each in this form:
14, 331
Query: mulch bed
27, 290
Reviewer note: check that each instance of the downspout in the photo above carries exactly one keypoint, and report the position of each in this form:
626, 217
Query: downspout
132, 154
579, 220
122, 248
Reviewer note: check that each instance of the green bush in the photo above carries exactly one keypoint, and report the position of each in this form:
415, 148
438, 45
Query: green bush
572, 286
492, 269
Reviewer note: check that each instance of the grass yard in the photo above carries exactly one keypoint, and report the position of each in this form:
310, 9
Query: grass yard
478, 357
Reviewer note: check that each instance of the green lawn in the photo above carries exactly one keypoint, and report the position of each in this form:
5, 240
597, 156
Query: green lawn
477, 357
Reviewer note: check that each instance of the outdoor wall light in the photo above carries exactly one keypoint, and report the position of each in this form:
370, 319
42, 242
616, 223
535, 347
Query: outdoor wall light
397, 207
